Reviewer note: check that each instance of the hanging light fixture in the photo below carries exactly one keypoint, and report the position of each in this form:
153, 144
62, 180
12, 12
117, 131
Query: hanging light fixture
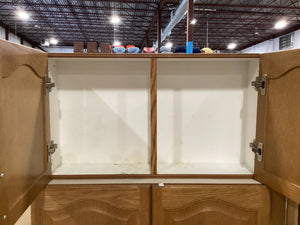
23, 15
117, 43
194, 21
115, 20
53, 41
280, 24
169, 44
232, 46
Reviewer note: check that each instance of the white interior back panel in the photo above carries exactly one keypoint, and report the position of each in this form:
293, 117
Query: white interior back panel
103, 115
202, 115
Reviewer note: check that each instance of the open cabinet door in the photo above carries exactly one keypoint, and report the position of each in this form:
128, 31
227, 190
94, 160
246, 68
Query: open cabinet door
24, 166
278, 124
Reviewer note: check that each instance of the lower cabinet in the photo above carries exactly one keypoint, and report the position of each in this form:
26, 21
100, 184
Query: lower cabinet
130, 204
211, 205
93, 205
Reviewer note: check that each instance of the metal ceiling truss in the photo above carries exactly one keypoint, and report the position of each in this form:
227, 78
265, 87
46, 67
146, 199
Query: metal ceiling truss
243, 22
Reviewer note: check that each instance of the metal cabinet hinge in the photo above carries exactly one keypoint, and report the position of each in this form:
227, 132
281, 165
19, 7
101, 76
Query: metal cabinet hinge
260, 84
257, 149
48, 84
51, 147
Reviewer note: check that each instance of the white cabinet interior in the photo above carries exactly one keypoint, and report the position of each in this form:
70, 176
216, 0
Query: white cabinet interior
206, 115
100, 115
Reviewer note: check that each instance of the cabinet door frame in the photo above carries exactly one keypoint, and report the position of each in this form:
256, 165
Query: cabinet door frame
280, 68
24, 133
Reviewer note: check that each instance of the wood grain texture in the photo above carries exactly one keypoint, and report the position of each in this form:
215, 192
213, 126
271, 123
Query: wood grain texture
211, 204
151, 176
177, 55
292, 212
92, 47
283, 210
277, 208
78, 46
153, 90
23, 133
92, 204
278, 122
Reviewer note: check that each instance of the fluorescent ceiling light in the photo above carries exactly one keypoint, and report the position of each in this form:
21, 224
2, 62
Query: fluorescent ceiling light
23, 15
194, 21
231, 46
115, 20
208, 10
53, 41
169, 45
45, 43
117, 43
280, 24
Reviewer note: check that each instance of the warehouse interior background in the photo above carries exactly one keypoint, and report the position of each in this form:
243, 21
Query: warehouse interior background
236, 26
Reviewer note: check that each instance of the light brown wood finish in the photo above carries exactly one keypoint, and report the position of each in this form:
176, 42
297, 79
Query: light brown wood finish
211, 204
277, 208
292, 212
278, 123
23, 133
92, 204
177, 55
153, 90
283, 210
92, 47
79, 46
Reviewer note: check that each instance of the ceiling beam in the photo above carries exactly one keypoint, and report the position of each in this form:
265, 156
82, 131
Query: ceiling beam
66, 6
154, 19
246, 13
248, 6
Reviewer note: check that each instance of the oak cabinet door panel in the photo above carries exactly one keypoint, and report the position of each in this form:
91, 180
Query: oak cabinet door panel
211, 204
92, 204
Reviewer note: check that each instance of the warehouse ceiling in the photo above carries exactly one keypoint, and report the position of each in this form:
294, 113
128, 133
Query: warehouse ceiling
239, 21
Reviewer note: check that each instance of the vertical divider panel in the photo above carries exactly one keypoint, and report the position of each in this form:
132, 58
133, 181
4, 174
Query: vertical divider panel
153, 90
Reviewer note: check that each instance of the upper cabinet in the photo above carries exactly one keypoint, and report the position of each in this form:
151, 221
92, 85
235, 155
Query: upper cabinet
23, 156
278, 123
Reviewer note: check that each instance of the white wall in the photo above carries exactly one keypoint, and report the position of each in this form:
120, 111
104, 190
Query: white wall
2, 33
59, 49
14, 38
272, 45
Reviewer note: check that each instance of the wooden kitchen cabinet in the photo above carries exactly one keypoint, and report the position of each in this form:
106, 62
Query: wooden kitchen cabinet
150, 116
211, 204
93, 204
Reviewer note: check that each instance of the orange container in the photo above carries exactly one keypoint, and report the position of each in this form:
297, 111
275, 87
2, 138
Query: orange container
129, 46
